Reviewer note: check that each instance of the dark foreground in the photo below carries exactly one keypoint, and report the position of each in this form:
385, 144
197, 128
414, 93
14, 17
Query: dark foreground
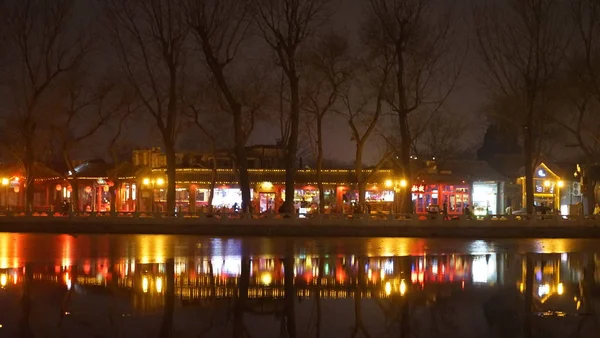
188, 286
304, 227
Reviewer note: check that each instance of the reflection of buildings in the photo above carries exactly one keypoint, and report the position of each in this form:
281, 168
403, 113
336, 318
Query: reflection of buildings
202, 280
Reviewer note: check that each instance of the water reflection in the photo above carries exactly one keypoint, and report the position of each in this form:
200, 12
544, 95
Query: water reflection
467, 295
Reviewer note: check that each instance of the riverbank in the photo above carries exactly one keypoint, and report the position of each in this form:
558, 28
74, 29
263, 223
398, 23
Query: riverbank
303, 227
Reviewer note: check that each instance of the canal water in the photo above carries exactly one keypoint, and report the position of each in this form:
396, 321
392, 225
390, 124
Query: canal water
182, 286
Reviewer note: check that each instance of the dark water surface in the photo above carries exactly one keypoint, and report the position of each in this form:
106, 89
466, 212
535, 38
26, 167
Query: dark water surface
183, 286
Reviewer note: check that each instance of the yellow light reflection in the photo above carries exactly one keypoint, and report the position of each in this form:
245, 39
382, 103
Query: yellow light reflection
521, 287
159, 284
3, 280
152, 249
388, 288
560, 289
68, 281
266, 278
145, 284
402, 287
4, 247
382, 274
370, 274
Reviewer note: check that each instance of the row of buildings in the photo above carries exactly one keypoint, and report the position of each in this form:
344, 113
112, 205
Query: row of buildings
140, 185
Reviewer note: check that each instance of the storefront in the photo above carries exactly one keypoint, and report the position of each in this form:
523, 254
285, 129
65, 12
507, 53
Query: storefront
432, 198
267, 197
306, 199
485, 198
379, 200
547, 188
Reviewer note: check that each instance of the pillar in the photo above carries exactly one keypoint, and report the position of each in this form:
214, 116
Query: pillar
192, 198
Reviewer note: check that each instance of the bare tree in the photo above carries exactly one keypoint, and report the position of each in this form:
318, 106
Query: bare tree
220, 28
286, 25
439, 137
203, 110
522, 45
150, 39
42, 47
328, 68
118, 144
87, 109
582, 82
363, 115
418, 37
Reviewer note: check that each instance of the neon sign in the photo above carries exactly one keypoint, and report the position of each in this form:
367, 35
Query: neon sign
541, 173
418, 188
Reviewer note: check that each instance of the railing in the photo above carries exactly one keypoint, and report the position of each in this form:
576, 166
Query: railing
217, 217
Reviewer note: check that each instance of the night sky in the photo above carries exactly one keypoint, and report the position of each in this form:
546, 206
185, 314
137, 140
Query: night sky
465, 103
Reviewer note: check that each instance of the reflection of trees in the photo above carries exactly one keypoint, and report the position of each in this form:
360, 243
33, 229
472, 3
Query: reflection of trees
315, 314
359, 326
585, 291
290, 293
25, 325
239, 330
167, 322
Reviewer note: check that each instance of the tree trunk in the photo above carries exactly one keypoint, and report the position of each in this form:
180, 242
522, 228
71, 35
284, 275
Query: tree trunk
529, 197
167, 321
73, 181
74, 194
289, 295
28, 163
113, 198
241, 159
405, 195
213, 183
242, 297
292, 145
360, 181
320, 164
171, 179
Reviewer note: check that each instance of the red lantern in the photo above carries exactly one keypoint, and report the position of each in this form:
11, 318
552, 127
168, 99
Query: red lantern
70, 189
17, 190
88, 189
58, 187
110, 184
